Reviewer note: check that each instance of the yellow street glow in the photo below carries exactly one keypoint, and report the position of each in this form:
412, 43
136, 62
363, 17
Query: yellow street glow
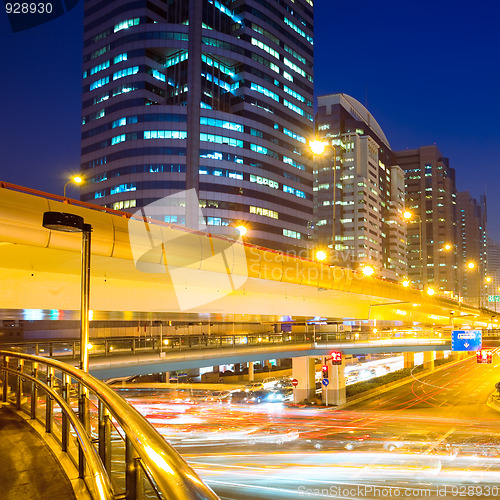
407, 215
77, 179
89, 346
242, 230
320, 255
447, 246
367, 270
405, 283
471, 265
430, 291
317, 147
488, 279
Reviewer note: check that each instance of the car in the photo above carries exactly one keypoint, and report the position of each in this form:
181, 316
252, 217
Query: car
417, 442
254, 386
343, 440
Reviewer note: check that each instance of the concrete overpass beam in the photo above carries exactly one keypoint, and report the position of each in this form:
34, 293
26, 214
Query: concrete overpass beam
334, 393
429, 360
303, 370
409, 359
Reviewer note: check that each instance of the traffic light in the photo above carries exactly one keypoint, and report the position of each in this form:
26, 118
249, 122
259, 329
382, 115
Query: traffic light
484, 356
324, 371
336, 358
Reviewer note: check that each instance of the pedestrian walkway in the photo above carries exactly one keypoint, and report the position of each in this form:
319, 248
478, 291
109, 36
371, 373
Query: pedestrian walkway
28, 468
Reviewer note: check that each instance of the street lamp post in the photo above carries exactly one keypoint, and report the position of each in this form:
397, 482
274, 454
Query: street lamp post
318, 148
76, 179
408, 216
71, 223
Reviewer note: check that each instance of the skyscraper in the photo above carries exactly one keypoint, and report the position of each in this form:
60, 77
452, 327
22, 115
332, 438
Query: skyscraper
431, 199
359, 195
472, 248
210, 95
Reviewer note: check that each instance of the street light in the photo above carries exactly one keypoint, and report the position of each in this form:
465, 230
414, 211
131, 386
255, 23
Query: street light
76, 179
242, 230
71, 223
367, 270
471, 265
318, 148
320, 255
430, 291
406, 283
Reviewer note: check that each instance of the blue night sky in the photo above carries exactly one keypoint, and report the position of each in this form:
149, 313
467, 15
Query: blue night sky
427, 71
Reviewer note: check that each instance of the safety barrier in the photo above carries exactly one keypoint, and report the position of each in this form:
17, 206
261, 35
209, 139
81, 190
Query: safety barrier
118, 453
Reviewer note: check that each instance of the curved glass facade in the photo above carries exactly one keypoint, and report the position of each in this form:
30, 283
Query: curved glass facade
214, 95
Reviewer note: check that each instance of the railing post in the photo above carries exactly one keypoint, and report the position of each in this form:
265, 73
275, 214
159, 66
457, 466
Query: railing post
133, 473
51, 350
66, 383
133, 346
83, 414
105, 437
19, 383
48, 400
34, 391
74, 350
5, 379
106, 348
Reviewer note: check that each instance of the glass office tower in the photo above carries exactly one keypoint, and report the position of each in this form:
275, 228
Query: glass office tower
210, 95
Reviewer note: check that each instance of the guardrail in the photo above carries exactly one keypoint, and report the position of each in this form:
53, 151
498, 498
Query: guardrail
118, 453
126, 345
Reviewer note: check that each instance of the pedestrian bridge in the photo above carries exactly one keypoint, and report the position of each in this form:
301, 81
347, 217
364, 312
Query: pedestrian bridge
120, 357
138, 265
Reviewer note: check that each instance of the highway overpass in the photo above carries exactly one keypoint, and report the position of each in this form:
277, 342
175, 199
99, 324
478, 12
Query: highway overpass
141, 266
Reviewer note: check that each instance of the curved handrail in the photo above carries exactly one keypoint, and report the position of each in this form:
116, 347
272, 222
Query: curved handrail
171, 473
99, 477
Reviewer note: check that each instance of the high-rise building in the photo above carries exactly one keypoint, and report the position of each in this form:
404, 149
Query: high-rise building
432, 230
358, 189
472, 249
493, 270
210, 95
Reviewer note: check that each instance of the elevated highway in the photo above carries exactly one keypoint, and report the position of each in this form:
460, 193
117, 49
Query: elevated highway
143, 266
111, 358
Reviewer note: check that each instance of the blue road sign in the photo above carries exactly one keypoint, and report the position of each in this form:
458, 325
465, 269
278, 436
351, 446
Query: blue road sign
325, 382
466, 340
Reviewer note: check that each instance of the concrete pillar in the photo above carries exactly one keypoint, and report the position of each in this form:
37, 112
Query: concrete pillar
303, 369
166, 377
409, 359
439, 354
250, 370
334, 392
429, 360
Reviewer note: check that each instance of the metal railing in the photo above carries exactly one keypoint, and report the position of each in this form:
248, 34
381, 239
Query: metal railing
132, 345
118, 453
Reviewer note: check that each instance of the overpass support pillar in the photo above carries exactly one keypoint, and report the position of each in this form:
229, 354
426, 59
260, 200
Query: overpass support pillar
429, 360
409, 359
304, 370
334, 392
439, 354
250, 371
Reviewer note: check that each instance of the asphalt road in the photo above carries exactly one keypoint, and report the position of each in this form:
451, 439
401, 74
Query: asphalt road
433, 437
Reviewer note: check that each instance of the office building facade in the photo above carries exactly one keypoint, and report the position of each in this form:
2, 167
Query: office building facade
207, 95
472, 249
431, 198
358, 190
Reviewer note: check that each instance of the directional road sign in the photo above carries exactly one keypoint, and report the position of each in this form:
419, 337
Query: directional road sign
325, 382
493, 298
466, 340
